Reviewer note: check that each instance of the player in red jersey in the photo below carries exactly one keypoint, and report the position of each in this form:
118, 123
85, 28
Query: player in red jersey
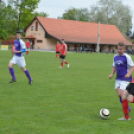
27, 46
58, 48
63, 54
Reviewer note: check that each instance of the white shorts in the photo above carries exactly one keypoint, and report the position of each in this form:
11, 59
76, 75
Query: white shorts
121, 84
18, 60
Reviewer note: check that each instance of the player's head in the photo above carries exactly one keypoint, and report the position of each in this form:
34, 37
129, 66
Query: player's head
58, 42
18, 34
62, 41
121, 48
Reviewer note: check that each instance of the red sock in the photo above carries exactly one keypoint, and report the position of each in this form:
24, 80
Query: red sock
125, 108
61, 64
66, 62
133, 100
133, 80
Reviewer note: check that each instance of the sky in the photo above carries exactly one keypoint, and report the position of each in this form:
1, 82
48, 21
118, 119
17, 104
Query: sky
56, 8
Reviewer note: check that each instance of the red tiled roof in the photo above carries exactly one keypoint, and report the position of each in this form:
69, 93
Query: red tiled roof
30, 37
82, 32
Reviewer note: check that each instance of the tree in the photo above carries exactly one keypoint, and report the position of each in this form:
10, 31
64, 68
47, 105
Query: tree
132, 37
23, 11
17, 15
113, 12
41, 14
76, 14
3, 33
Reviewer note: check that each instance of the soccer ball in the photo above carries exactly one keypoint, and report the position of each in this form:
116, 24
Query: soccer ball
104, 113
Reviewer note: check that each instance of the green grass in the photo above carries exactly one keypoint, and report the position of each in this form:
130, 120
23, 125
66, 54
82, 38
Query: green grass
60, 101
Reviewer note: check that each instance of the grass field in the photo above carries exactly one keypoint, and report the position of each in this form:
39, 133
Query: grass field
60, 101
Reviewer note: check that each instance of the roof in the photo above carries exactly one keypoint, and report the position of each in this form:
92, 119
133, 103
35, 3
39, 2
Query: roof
82, 32
30, 37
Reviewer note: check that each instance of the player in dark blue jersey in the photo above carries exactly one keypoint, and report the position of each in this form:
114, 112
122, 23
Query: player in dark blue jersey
18, 58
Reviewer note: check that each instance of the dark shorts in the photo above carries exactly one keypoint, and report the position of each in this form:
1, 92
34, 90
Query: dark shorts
57, 52
130, 88
62, 56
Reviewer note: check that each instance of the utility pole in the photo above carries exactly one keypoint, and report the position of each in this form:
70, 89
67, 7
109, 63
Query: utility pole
98, 37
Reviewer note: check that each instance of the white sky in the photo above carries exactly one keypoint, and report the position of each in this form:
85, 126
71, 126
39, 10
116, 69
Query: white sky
56, 8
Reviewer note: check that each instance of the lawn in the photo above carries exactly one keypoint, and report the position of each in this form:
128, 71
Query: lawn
61, 101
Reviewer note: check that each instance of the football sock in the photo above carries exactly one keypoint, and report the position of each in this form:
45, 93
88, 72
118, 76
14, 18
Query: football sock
28, 75
12, 73
120, 100
66, 62
128, 106
125, 108
61, 64
133, 100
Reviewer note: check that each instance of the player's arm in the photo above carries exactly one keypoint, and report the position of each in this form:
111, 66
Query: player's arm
131, 65
130, 72
112, 72
22, 51
65, 49
23, 46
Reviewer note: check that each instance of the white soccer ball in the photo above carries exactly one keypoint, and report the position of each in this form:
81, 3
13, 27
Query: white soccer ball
104, 113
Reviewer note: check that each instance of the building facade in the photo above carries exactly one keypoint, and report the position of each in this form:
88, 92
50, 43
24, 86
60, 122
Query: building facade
44, 33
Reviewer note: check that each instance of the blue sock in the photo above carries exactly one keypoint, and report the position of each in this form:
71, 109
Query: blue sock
28, 75
12, 73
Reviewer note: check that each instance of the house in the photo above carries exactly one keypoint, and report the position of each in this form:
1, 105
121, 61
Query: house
44, 33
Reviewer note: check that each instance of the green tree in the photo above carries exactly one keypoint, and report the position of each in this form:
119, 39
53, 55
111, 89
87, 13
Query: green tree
3, 33
23, 11
41, 14
76, 14
113, 12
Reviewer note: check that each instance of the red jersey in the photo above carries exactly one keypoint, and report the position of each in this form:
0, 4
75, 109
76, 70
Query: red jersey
27, 44
58, 48
63, 49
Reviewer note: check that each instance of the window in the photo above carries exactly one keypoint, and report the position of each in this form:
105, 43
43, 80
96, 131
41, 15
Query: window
39, 41
32, 28
40, 27
36, 26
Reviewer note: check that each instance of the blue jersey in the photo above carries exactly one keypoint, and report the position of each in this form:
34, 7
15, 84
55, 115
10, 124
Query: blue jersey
123, 64
19, 45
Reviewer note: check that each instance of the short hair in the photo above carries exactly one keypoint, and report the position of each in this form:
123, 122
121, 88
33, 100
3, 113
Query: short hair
121, 44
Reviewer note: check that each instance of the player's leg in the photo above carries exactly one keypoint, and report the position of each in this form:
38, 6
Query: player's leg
66, 63
61, 64
59, 55
129, 93
56, 55
21, 62
124, 97
120, 86
121, 91
62, 60
11, 70
27, 74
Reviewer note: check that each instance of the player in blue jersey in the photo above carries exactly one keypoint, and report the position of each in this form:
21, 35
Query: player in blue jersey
18, 58
127, 95
123, 66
